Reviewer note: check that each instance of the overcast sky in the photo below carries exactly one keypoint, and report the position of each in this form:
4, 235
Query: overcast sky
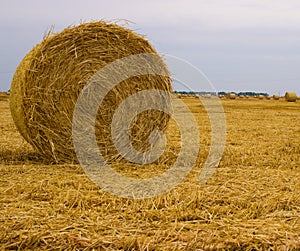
245, 45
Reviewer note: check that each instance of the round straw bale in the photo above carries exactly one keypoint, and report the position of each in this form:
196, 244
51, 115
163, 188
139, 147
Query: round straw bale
48, 81
290, 96
276, 97
261, 96
230, 96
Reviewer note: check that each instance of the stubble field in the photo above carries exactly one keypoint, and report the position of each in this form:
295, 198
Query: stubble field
252, 202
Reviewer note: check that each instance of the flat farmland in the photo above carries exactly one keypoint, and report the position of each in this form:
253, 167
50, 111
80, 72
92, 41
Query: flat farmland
252, 201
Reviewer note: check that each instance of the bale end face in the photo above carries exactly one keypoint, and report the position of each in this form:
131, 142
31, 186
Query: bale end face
291, 96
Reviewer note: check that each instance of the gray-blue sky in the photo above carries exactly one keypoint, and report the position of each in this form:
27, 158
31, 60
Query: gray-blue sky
240, 45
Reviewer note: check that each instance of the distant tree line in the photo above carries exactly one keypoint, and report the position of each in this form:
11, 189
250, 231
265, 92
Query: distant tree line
191, 92
251, 94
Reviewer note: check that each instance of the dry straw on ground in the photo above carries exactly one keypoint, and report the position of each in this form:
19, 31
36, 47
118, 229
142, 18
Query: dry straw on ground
4, 96
48, 81
291, 96
252, 202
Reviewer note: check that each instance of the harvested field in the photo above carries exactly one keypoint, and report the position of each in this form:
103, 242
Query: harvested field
252, 202
4, 96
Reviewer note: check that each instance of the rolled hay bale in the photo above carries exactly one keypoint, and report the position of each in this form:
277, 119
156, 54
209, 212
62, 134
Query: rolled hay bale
260, 96
230, 96
298, 98
291, 96
276, 97
268, 97
48, 81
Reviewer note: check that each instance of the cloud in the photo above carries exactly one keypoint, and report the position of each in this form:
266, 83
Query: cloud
226, 14
244, 40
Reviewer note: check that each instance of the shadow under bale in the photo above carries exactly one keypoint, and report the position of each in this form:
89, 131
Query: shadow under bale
10, 157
